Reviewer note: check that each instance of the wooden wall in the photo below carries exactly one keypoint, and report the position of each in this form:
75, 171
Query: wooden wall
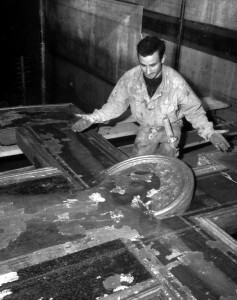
93, 43
208, 53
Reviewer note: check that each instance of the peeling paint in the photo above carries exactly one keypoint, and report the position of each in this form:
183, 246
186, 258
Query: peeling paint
120, 288
54, 146
69, 202
63, 216
72, 228
9, 277
104, 296
96, 197
12, 223
118, 190
116, 215
5, 293
126, 278
175, 253
151, 193
115, 282
135, 201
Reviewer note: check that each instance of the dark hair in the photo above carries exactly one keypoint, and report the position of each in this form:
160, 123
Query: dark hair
149, 45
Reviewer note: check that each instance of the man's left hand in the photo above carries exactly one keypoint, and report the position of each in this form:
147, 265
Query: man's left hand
219, 141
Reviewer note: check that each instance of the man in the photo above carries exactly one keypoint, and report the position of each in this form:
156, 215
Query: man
159, 98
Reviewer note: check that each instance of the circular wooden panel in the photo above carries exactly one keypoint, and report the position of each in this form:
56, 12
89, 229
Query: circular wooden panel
163, 185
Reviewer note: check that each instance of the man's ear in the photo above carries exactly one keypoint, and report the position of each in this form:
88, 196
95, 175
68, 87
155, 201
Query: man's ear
163, 59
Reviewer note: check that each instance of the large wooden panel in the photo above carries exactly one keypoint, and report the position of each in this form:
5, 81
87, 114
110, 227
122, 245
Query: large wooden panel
61, 242
216, 12
81, 156
100, 35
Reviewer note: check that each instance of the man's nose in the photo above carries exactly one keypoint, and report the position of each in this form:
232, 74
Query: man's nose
148, 70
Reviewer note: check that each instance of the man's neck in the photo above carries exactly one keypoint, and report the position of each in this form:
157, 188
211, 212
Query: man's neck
152, 84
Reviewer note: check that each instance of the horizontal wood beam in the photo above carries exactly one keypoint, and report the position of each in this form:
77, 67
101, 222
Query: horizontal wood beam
214, 40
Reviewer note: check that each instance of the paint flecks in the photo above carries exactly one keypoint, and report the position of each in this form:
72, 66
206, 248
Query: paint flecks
116, 215
5, 293
116, 282
96, 197
63, 216
69, 202
118, 190
151, 192
175, 253
135, 201
126, 278
9, 277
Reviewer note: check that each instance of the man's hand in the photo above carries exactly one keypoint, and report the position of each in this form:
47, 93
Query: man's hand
219, 141
83, 123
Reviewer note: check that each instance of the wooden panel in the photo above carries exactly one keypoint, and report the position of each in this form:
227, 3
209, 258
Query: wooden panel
82, 87
101, 35
168, 7
81, 156
210, 75
216, 12
52, 236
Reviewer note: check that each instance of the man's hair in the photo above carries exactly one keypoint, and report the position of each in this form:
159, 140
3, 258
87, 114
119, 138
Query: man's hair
149, 45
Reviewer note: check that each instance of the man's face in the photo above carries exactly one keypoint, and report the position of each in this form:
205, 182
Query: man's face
151, 65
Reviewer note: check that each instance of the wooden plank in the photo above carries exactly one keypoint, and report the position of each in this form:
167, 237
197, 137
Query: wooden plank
128, 127
210, 39
217, 13
209, 103
119, 130
9, 150
81, 156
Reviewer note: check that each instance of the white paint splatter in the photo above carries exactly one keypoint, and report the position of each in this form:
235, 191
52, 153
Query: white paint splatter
68, 203
98, 298
5, 293
126, 278
135, 201
120, 288
96, 197
9, 277
175, 253
64, 216
118, 190
117, 216
151, 193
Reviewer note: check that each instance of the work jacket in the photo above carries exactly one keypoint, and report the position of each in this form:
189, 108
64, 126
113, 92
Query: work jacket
173, 98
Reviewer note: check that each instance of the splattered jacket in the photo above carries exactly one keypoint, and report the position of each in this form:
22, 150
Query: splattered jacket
173, 98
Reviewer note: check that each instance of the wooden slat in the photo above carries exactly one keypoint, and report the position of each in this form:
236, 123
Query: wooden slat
9, 150
128, 127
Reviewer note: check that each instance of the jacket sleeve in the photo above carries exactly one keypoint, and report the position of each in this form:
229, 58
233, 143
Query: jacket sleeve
117, 103
193, 111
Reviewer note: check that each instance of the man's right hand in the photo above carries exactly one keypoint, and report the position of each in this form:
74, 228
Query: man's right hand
83, 123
